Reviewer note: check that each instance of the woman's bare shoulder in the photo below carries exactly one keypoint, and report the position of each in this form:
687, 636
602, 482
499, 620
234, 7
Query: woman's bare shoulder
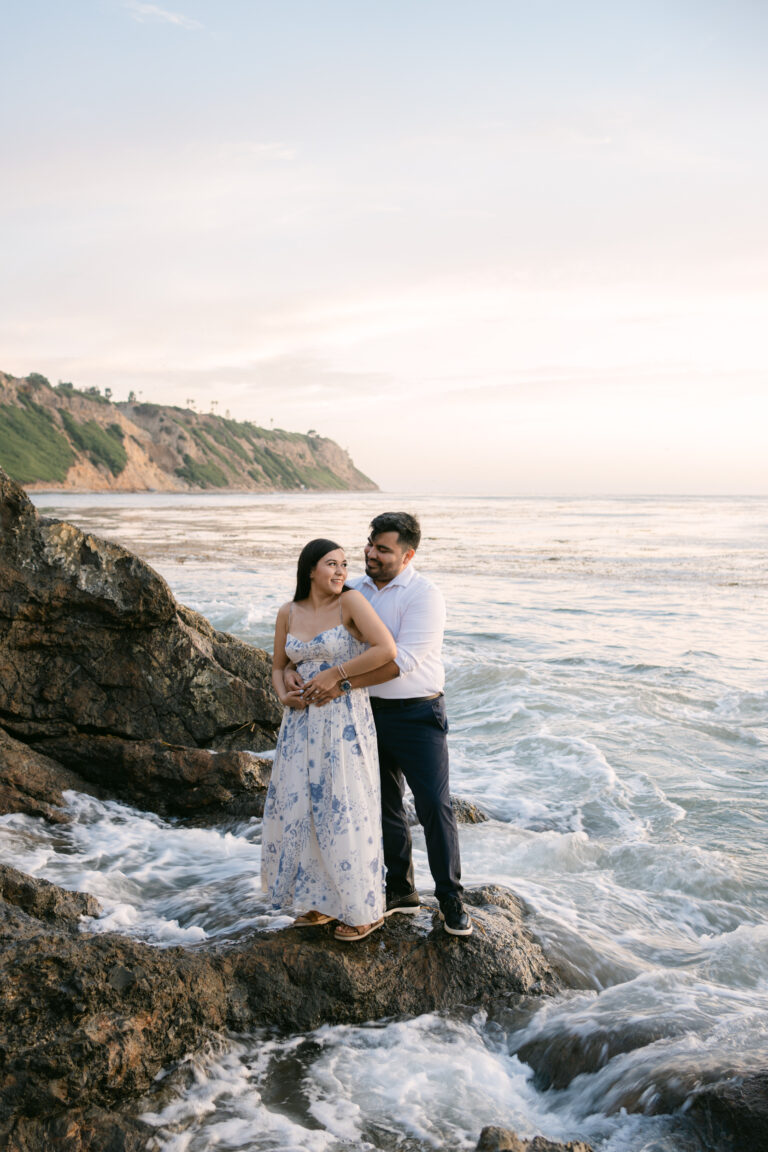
351, 598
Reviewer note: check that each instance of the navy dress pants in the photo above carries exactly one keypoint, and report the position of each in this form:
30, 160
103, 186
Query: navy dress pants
412, 744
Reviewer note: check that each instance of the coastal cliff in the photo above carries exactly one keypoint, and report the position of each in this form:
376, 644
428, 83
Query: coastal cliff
64, 438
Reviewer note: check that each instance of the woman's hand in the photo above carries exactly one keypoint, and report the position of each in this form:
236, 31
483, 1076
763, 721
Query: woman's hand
294, 699
323, 687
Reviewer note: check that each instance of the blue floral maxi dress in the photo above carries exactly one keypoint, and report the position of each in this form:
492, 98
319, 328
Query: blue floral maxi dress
321, 841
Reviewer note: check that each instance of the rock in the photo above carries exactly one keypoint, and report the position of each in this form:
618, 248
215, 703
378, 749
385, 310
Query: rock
44, 900
103, 670
734, 1110
170, 779
557, 1055
33, 783
87, 1021
493, 1139
77, 1131
465, 811
301, 980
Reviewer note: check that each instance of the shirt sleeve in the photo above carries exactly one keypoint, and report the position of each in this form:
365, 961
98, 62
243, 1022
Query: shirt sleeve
421, 629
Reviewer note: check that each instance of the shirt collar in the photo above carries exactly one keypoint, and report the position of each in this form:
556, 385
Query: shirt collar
400, 581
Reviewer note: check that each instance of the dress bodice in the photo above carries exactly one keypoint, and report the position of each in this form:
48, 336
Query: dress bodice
333, 646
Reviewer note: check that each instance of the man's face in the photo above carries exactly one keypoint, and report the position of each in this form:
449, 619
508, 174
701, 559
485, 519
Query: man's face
385, 558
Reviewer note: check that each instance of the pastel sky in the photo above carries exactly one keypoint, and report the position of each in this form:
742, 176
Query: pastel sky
489, 246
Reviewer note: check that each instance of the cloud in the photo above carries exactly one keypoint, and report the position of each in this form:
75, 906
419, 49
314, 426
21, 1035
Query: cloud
145, 13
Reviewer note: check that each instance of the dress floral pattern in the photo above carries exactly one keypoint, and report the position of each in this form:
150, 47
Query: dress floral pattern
321, 841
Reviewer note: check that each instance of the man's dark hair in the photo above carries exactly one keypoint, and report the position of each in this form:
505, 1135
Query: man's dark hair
309, 557
407, 527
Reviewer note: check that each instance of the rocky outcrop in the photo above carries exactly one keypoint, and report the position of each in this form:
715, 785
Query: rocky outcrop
88, 1021
33, 783
494, 1139
103, 672
735, 1108
77, 1130
43, 900
301, 978
465, 811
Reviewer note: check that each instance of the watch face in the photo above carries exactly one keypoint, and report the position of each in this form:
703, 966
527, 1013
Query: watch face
345, 686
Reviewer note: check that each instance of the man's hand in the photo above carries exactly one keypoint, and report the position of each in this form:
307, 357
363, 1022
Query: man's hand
293, 682
323, 688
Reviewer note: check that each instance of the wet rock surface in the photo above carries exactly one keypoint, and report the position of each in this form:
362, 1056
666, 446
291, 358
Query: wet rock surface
33, 783
170, 779
85, 1020
495, 1139
43, 900
77, 1130
300, 978
88, 1021
465, 811
734, 1109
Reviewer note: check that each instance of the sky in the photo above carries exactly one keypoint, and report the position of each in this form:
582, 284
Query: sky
512, 247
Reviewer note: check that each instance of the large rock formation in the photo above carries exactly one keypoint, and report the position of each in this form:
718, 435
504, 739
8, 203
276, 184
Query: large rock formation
302, 978
102, 671
87, 1022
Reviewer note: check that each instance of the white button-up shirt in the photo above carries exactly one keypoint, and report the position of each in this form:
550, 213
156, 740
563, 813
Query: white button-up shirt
414, 611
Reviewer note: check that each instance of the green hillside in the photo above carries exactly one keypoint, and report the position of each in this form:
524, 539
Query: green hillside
68, 437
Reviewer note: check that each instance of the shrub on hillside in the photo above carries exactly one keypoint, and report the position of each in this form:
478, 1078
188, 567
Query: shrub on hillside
102, 445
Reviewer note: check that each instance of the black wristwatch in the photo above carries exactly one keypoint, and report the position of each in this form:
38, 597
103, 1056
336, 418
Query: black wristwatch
345, 686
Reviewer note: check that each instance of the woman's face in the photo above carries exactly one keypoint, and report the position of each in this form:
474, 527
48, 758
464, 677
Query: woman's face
329, 574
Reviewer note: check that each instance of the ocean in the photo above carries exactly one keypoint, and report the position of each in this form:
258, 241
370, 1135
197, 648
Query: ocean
607, 690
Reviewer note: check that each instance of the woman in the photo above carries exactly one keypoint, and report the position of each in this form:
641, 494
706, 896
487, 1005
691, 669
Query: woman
321, 845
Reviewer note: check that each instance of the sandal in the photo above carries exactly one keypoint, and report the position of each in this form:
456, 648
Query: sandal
351, 932
312, 919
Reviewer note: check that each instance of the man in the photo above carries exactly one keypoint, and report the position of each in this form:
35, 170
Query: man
409, 710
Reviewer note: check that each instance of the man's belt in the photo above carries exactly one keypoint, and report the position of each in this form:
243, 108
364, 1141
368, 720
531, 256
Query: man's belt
386, 702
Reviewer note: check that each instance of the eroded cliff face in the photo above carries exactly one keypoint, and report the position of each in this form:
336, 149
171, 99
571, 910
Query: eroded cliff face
64, 438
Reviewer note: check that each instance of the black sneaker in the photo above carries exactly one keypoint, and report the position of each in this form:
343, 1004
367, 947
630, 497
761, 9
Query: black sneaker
454, 916
409, 904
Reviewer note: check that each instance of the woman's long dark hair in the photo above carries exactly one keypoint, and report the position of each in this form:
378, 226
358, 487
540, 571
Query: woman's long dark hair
309, 557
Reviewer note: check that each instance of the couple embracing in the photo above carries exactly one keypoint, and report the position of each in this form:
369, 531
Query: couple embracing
358, 667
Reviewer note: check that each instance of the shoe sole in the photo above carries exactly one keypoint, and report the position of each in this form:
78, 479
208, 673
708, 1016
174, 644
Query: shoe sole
456, 931
405, 911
